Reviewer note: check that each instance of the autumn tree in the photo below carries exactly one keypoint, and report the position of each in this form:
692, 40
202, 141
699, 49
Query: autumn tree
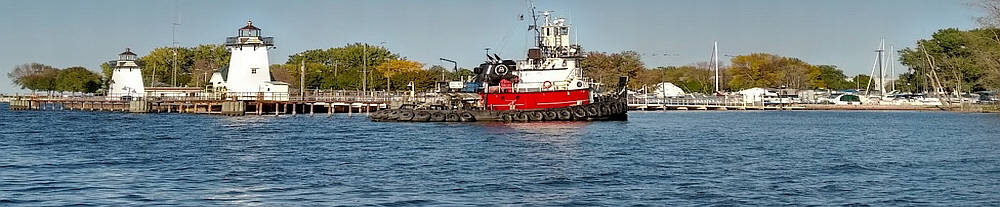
768, 70
605, 68
692, 78
390, 68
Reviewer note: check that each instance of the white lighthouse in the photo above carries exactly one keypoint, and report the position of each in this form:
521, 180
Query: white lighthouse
126, 79
249, 70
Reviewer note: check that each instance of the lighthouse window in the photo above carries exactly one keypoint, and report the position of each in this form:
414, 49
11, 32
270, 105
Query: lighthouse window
253, 70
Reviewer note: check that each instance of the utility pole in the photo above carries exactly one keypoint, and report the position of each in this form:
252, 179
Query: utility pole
302, 78
364, 69
152, 80
174, 76
892, 66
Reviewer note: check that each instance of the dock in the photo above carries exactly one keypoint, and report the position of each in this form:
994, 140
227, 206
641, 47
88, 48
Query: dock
703, 103
229, 104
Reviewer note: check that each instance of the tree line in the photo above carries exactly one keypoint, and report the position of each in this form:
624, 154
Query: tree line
361, 66
743, 72
40, 77
350, 67
953, 61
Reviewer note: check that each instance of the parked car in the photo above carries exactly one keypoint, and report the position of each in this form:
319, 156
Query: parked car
988, 97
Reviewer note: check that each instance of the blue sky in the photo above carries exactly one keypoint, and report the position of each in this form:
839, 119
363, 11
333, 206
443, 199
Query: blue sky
837, 32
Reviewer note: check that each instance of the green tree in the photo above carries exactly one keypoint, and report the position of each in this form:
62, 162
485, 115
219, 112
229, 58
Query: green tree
831, 78
193, 64
342, 67
860, 81
78, 79
34, 76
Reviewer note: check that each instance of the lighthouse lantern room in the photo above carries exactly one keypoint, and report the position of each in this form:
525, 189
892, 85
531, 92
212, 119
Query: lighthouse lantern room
248, 70
126, 79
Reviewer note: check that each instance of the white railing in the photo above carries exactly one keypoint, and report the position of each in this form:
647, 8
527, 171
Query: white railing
689, 101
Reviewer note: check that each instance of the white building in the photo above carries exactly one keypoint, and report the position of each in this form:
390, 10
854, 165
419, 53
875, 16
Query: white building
249, 70
126, 79
218, 81
753, 95
668, 90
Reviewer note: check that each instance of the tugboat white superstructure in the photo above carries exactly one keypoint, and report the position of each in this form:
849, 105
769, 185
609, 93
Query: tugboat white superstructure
548, 85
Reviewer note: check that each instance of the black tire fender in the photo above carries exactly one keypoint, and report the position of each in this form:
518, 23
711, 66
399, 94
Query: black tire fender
438, 116
551, 115
521, 116
453, 117
421, 116
564, 114
536, 116
579, 112
406, 115
467, 117
592, 110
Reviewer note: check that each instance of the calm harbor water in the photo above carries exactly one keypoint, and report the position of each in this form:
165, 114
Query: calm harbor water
771, 158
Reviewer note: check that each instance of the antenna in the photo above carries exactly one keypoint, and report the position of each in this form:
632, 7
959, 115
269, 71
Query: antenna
534, 25
173, 40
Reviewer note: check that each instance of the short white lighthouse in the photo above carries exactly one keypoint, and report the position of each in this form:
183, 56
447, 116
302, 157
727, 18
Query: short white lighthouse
249, 69
126, 79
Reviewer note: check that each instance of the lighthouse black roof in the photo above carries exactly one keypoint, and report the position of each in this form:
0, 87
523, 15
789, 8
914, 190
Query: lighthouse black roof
128, 55
249, 35
249, 26
128, 51
249, 30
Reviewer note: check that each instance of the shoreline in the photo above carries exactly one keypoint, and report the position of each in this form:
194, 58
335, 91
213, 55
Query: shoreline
970, 108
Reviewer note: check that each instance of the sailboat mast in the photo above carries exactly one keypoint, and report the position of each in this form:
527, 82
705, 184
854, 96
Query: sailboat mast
881, 67
715, 57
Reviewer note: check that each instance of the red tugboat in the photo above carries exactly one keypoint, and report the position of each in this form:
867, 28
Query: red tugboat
546, 86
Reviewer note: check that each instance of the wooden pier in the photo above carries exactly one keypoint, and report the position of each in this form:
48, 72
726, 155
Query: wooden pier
229, 104
705, 104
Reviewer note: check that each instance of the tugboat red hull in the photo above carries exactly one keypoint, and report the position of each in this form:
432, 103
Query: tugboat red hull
535, 100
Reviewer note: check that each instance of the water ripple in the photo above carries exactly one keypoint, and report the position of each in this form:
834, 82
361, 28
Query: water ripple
55, 158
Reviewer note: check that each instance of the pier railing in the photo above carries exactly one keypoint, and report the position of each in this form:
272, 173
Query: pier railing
333, 96
691, 101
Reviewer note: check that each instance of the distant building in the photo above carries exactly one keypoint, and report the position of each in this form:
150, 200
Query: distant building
249, 70
173, 91
218, 81
126, 78
668, 90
